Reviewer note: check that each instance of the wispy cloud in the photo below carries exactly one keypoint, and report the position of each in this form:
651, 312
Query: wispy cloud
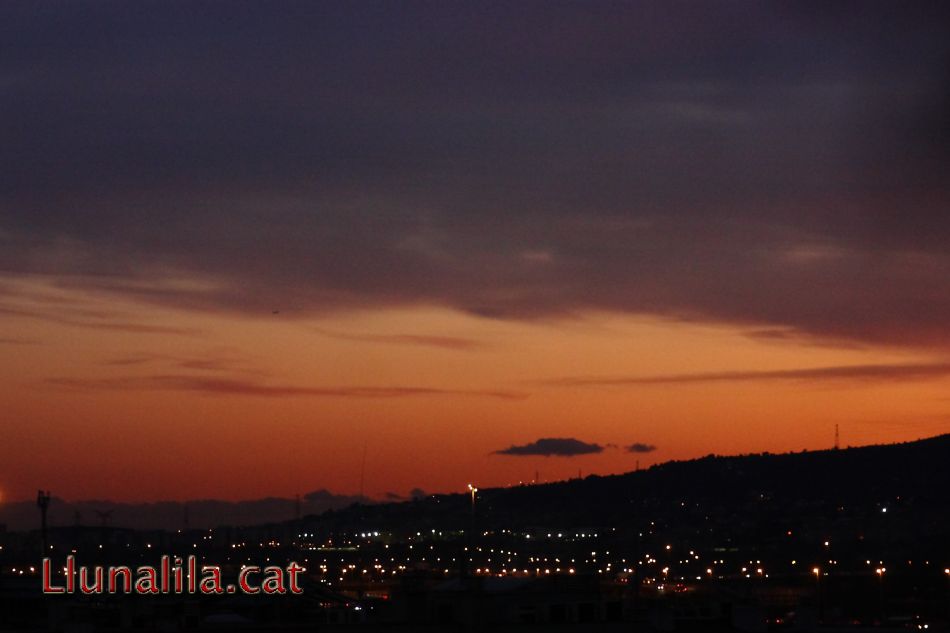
130, 360
224, 386
796, 337
856, 373
445, 342
95, 321
212, 362
18, 341
553, 447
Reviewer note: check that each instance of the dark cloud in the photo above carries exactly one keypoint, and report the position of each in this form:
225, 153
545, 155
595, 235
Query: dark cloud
238, 387
553, 447
771, 165
639, 447
862, 373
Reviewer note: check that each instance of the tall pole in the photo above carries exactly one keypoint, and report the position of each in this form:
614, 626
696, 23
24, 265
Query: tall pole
42, 502
471, 526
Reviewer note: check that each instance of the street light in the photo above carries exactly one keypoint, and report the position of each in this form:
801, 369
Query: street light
817, 573
473, 491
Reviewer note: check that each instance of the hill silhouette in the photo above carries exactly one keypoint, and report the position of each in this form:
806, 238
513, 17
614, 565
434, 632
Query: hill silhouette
892, 497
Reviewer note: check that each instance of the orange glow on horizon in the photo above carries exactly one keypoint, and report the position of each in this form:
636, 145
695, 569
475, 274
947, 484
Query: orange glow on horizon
236, 407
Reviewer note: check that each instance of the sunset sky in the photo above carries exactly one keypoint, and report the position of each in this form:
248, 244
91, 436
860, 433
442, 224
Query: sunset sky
244, 244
